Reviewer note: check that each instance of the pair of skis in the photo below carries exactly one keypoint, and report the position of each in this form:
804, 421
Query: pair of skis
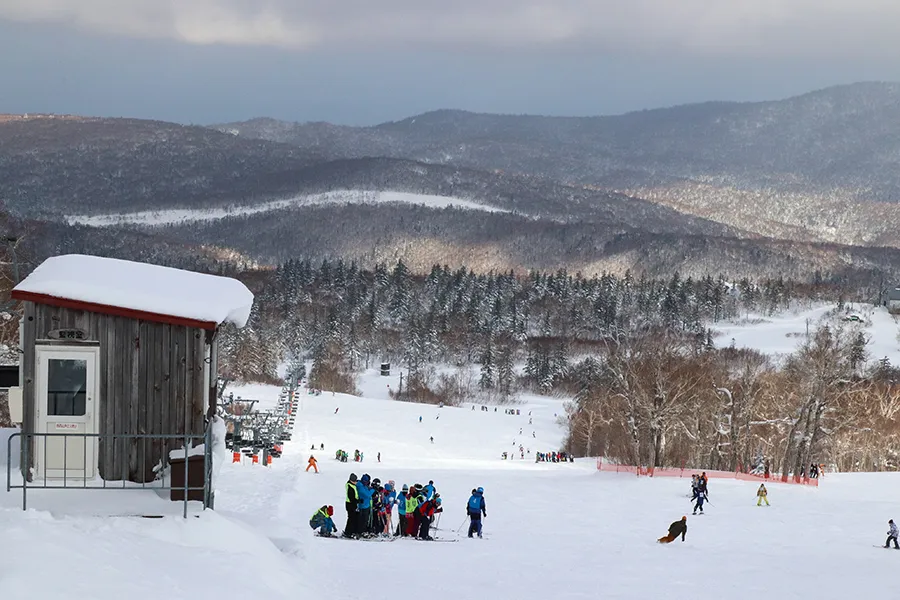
385, 539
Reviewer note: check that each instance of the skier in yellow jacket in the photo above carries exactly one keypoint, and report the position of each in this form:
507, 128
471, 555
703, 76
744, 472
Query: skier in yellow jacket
761, 495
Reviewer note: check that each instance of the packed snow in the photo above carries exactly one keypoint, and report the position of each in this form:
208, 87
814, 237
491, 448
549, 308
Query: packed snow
141, 286
176, 216
553, 530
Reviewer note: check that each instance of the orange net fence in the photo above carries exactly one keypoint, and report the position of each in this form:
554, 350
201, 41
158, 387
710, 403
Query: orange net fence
676, 472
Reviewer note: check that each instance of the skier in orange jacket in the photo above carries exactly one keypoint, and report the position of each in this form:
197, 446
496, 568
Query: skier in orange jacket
312, 463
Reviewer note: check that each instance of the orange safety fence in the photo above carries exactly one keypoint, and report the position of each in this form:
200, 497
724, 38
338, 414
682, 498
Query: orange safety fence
675, 472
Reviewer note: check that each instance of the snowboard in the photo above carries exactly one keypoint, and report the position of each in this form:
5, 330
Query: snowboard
883, 548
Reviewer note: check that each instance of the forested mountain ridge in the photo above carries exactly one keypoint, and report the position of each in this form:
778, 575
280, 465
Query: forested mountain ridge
819, 167
54, 166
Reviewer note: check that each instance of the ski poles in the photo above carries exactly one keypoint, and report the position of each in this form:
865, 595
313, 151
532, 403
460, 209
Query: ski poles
458, 529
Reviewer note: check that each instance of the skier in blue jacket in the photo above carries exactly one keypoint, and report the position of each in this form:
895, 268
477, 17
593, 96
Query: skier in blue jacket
365, 492
401, 509
475, 509
429, 490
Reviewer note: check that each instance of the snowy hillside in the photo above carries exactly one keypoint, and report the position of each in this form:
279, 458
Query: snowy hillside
176, 216
784, 333
559, 531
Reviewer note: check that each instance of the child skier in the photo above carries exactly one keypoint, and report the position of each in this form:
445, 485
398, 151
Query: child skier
762, 494
364, 492
378, 509
426, 514
322, 521
429, 490
675, 529
412, 503
401, 509
390, 498
312, 464
892, 535
475, 509
701, 497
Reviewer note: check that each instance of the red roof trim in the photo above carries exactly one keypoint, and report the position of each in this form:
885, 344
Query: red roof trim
116, 311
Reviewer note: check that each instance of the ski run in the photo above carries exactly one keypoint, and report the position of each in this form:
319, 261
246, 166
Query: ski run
556, 530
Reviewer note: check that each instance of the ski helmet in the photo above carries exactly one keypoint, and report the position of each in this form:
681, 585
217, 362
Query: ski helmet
430, 482
330, 510
352, 476
437, 501
405, 488
365, 478
479, 490
376, 481
388, 487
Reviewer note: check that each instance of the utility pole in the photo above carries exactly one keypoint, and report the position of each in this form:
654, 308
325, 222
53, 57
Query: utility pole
400, 389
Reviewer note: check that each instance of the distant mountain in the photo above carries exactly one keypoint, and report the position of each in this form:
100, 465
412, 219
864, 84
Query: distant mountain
748, 189
52, 166
824, 166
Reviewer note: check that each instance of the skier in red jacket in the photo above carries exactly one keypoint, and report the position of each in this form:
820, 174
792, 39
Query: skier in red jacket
426, 515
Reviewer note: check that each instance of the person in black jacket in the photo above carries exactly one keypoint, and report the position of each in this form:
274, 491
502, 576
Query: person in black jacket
675, 529
351, 503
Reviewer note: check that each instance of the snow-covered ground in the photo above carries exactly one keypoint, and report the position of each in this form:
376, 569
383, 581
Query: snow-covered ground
784, 333
176, 216
560, 531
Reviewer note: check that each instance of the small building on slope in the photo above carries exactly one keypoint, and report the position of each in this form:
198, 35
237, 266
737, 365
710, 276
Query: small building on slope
113, 349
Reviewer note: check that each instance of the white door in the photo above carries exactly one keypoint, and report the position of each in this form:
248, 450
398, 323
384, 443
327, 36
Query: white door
66, 396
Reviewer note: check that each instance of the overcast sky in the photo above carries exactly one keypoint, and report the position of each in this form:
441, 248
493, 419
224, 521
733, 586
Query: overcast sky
364, 61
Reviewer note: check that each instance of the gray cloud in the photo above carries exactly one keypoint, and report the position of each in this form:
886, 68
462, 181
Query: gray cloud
840, 28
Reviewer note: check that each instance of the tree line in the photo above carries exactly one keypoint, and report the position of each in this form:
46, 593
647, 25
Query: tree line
658, 401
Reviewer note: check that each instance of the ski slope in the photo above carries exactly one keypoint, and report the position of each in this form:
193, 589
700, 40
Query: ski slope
176, 216
554, 531
783, 333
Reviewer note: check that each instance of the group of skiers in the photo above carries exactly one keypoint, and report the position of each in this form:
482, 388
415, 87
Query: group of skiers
699, 491
553, 457
370, 508
342, 456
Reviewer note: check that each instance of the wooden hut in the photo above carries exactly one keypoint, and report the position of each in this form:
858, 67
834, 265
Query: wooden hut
114, 347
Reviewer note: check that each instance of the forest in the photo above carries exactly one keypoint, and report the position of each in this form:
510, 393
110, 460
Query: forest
650, 383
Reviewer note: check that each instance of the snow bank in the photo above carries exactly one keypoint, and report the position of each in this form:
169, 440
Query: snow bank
140, 559
141, 286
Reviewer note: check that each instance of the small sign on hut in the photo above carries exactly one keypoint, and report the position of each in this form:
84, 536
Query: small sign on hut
113, 349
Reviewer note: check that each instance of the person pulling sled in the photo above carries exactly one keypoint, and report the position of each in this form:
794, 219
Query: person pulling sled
675, 529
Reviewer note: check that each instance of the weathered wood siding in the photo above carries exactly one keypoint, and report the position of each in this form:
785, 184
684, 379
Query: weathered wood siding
151, 382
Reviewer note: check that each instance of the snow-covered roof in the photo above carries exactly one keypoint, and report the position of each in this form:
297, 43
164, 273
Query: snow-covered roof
139, 287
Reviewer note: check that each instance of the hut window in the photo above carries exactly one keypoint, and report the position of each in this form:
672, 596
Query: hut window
66, 387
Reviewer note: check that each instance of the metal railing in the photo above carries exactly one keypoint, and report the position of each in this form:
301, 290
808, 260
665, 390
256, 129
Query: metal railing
119, 455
